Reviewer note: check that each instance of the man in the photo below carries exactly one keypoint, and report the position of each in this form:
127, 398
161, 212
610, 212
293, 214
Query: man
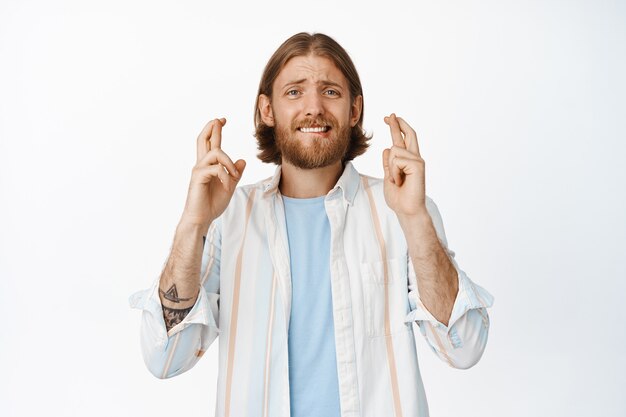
313, 277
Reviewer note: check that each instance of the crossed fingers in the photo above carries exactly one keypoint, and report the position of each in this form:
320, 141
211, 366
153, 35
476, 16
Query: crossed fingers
402, 134
403, 158
210, 137
211, 160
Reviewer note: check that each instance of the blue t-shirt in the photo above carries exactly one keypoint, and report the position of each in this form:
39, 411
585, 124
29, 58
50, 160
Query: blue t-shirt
313, 382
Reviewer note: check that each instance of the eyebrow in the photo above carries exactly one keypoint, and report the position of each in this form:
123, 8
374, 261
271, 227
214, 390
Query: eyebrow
321, 82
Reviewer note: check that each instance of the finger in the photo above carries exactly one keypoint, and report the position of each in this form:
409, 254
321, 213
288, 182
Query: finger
395, 175
398, 174
216, 134
404, 153
201, 143
410, 137
396, 133
218, 156
386, 163
227, 181
406, 166
204, 174
395, 170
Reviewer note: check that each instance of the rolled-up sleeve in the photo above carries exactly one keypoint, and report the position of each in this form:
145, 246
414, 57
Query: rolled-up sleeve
168, 354
462, 342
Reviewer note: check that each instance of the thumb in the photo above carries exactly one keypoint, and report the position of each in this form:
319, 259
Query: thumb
240, 165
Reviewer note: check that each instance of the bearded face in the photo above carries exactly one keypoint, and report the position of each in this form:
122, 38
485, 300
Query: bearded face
312, 143
311, 112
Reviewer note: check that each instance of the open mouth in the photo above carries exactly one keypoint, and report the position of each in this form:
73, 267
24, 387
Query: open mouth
317, 129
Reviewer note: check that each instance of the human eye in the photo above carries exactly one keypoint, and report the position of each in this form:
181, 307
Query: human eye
331, 92
293, 92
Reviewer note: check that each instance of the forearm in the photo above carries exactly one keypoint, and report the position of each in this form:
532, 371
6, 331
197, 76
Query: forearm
180, 281
437, 278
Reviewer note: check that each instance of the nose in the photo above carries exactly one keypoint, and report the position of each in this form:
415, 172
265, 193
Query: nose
313, 105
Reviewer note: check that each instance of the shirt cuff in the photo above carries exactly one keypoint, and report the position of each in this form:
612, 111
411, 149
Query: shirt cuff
470, 296
203, 311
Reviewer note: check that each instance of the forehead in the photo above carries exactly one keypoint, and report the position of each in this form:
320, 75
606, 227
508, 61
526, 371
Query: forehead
311, 68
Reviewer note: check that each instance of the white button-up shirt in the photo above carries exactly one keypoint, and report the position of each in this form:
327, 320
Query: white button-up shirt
245, 298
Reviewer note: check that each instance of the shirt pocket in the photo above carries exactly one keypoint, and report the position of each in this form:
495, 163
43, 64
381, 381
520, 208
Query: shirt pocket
379, 296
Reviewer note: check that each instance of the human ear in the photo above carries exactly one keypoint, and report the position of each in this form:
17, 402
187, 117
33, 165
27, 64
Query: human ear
355, 110
265, 108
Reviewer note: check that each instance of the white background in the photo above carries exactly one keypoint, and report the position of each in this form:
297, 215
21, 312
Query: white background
520, 113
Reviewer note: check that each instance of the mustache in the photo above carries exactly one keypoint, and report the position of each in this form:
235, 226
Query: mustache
318, 121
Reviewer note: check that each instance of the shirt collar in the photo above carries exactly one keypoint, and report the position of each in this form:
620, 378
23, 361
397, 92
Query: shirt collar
348, 183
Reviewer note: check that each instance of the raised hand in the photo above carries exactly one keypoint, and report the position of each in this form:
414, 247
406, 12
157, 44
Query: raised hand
404, 184
213, 178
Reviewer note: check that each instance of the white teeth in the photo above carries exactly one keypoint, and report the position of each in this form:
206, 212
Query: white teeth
314, 129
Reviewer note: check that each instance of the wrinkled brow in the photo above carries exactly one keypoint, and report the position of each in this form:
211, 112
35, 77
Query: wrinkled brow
320, 82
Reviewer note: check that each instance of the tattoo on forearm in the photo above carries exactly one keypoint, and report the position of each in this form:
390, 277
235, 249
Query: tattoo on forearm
172, 295
173, 316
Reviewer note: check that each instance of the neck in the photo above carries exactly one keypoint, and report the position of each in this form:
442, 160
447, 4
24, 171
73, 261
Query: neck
308, 183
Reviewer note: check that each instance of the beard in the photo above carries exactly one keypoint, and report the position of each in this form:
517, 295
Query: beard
313, 151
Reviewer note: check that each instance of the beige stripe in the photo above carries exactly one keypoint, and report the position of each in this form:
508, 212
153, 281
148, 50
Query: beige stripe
391, 358
235, 310
268, 351
480, 310
484, 317
479, 298
168, 363
211, 252
442, 349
